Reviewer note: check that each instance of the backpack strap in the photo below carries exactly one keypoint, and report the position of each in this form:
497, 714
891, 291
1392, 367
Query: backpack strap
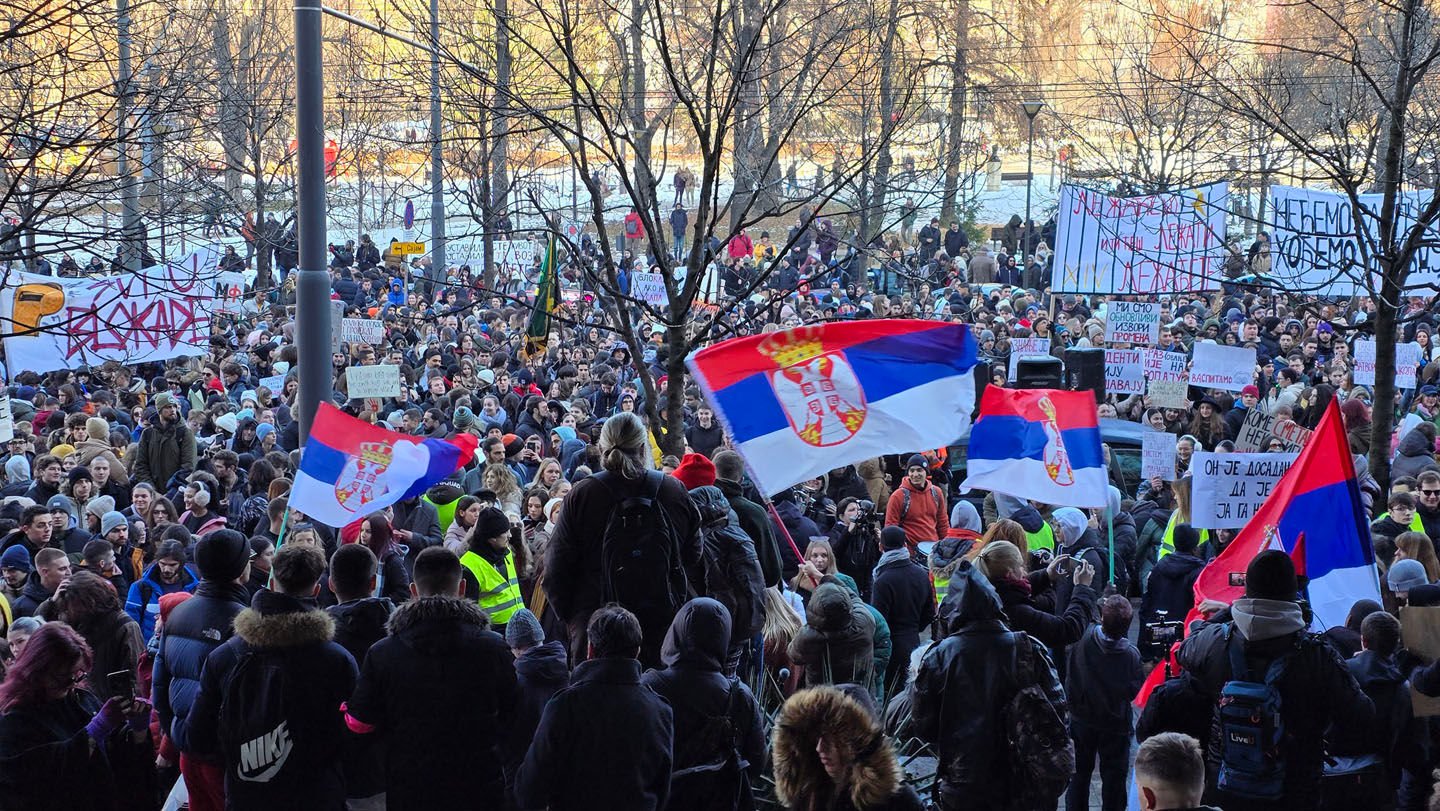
905, 503
1239, 669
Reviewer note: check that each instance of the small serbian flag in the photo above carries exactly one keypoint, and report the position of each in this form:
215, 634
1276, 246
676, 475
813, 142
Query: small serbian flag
1040, 444
800, 402
350, 468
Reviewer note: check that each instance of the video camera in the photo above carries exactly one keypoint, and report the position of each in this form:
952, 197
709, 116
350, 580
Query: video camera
868, 518
1157, 637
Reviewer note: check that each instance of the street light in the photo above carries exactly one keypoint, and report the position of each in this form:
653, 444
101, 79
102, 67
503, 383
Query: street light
1032, 109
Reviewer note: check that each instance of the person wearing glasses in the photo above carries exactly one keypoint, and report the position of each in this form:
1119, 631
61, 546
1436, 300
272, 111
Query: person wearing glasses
63, 748
1428, 506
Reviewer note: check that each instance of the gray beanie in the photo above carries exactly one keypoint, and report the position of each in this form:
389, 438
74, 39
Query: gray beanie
523, 630
463, 418
1406, 575
109, 521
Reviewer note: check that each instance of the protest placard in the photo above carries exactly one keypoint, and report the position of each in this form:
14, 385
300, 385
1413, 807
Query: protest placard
1169, 394
230, 292
648, 287
1365, 362
1231, 368
1227, 488
1315, 239
1259, 428
1159, 243
1157, 455
1162, 365
372, 381
275, 383
1132, 322
1124, 372
337, 319
362, 331
7, 418
1407, 363
1021, 347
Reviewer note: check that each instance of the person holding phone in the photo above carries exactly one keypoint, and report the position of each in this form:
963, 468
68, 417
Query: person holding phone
1028, 598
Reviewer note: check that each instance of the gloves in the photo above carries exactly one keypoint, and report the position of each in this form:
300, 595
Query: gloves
105, 722
138, 719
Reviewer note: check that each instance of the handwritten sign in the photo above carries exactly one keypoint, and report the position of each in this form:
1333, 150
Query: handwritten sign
1162, 365
1132, 322
649, 287
275, 383
1228, 488
373, 381
1169, 394
230, 292
1157, 455
362, 330
1365, 362
1022, 347
1231, 368
1124, 372
1407, 363
337, 320
1259, 428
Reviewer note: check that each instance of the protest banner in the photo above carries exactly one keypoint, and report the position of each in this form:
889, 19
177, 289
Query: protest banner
1157, 455
1365, 362
1227, 488
7, 418
1124, 372
1022, 347
159, 313
275, 383
230, 292
1420, 634
1169, 394
1160, 243
1259, 428
648, 287
1162, 365
1231, 368
372, 381
1407, 364
1132, 322
1315, 240
337, 321
362, 330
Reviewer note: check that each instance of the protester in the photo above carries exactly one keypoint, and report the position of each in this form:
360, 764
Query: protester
1170, 774
540, 672
1101, 679
905, 597
830, 752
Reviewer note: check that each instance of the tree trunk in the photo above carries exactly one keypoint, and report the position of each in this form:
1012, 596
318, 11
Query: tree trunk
500, 156
959, 78
1383, 411
874, 212
231, 115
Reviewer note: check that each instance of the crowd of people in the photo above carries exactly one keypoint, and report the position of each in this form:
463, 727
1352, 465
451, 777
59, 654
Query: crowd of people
579, 620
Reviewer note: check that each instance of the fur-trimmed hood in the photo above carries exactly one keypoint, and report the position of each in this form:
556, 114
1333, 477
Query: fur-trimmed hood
435, 624
275, 620
874, 773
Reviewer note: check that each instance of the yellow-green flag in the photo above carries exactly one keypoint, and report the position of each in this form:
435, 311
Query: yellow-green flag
547, 297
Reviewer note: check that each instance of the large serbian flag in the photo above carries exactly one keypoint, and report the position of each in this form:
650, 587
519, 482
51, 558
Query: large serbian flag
1039, 444
800, 402
350, 468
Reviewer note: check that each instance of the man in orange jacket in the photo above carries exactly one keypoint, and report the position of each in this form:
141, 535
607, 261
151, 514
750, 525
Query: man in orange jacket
917, 506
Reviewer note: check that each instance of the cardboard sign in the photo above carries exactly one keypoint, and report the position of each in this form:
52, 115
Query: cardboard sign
1231, 368
1022, 347
1169, 394
1227, 488
230, 292
1157, 455
1365, 362
1162, 365
1132, 322
1259, 428
373, 381
1124, 372
337, 318
1407, 364
649, 288
275, 383
362, 331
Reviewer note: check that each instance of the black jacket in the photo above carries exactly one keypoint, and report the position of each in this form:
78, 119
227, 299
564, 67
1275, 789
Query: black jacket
603, 744
421, 519
693, 684
904, 597
540, 672
115, 641
440, 690
1101, 679
298, 635
1028, 612
194, 629
756, 523
705, 440
31, 597
47, 760
1392, 734
732, 573
360, 624
1171, 587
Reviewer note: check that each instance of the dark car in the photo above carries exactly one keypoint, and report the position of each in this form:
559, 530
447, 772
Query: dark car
1122, 437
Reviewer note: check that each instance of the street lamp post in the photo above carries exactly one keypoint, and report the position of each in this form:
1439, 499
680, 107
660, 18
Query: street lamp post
1032, 109
312, 286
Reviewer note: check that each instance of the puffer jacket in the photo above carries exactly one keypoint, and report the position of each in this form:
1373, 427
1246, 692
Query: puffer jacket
958, 707
732, 571
1414, 453
837, 644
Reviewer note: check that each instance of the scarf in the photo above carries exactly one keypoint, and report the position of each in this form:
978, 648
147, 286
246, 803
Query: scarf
890, 556
1261, 619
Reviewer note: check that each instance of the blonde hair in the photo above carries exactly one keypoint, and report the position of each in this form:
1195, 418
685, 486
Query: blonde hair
820, 543
624, 445
782, 622
1005, 530
1000, 559
1418, 546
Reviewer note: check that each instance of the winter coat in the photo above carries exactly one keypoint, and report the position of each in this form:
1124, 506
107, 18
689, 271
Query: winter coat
704, 441
875, 780
733, 576
926, 520
983, 267
143, 600
1171, 588
115, 641
1056, 629
421, 519
697, 690
1392, 733
958, 708
359, 624
30, 597
755, 522
800, 530
540, 673
837, 644
47, 760
439, 690
1316, 691
903, 595
298, 636
1101, 679
603, 744
1415, 453
193, 630
163, 450
94, 446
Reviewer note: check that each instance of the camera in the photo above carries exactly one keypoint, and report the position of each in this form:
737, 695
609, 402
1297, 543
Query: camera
867, 517
1156, 637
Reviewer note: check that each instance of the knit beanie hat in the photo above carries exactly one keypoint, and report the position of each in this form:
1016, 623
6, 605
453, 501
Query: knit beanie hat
916, 461
523, 630
111, 520
695, 470
1406, 575
462, 418
16, 557
97, 428
1271, 576
491, 523
221, 555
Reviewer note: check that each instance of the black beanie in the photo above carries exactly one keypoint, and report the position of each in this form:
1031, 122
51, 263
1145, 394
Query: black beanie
1185, 538
892, 538
1271, 576
491, 523
916, 461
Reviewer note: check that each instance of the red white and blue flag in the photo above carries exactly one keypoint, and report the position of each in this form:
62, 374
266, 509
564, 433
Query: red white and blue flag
800, 402
1039, 444
350, 468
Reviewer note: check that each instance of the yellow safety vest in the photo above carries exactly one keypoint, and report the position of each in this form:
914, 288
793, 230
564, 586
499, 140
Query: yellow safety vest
1416, 525
1167, 541
1042, 538
942, 586
499, 593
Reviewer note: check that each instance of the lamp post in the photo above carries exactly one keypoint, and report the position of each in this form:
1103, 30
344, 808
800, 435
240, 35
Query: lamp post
1032, 109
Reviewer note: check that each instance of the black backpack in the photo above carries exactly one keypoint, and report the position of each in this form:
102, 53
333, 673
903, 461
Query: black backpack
733, 576
255, 735
640, 565
1037, 733
708, 766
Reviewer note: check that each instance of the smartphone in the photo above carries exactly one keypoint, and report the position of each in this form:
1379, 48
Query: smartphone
1066, 565
122, 683
1237, 579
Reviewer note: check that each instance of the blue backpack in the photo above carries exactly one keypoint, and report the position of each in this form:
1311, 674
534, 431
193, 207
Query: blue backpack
1252, 731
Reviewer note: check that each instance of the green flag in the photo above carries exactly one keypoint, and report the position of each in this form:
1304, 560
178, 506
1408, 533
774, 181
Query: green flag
547, 296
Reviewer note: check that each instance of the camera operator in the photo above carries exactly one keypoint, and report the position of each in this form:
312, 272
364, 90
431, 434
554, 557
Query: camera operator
856, 541
816, 505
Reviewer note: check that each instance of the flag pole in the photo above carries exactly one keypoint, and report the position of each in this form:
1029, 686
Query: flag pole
1110, 526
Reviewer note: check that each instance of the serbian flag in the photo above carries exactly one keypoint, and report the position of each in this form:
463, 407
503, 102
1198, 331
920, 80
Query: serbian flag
800, 402
1041, 444
1316, 516
350, 468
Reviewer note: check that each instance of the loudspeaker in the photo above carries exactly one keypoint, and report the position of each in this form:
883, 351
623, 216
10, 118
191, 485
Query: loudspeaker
1039, 372
1085, 370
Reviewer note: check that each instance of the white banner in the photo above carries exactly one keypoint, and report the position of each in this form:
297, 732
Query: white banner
362, 331
1162, 365
1231, 368
159, 313
1259, 428
648, 287
1157, 455
372, 381
1227, 488
1021, 347
1124, 372
1161, 243
1365, 362
275, 383
1316, 246
7, 418
1132, 322
230, 292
